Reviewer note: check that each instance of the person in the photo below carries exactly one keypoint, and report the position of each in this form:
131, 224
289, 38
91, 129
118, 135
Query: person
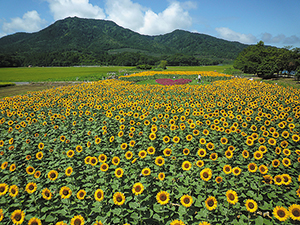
199, 78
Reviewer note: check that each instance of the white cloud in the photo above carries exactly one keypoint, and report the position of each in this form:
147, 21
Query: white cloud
30, 22
125, 13
135, 17
81, 8
231, 35
280, 38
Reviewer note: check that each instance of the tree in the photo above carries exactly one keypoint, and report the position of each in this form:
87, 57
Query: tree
163, 64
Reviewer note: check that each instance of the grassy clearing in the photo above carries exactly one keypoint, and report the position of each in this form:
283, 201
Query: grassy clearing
285, 82
219, 69
58, 73
82, 73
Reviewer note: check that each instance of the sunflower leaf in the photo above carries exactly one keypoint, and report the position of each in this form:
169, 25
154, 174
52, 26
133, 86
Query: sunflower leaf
259, 220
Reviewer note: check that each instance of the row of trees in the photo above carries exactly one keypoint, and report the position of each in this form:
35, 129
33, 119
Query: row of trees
267, 61
76, 58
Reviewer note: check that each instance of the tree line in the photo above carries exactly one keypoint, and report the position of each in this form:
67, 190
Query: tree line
266, 61
77, 58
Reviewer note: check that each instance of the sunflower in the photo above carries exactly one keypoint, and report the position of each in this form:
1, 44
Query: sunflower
268, 179
161, 176
119, 172
272, 141
294, 212
41, 146
278, 180
186, 201
1, 215
202, 152
115, 160
224, 140
186, 151
186, 165
102, 158
97, 223
53, 175
232, 197
152, 136
77, 220
281, 213
37, 174
286, 162
210, 146
99, 195
78, 148
12, 167
213, 156
258, 155
163, 197
70, 153
229, 154
13, 191
263, 169
249, 142
236, 171
286, 179
284, 144
200, 163
119, 198
65, 192
34, 221
189, 137
146, 171
206, 174
159, 161
137, 188
167, 152
263, 149
252, 167
93, 161
177, 222
81, 194
104, 167
227, 169
211, 203
245, 154
69, 171
31, 187
46, 193
166, 139
218, 179
286, 152
142, 154
202, 141
30, 170
151, 150
251, 205
204, 223
275, 163
295, 137
39, 155
18, 217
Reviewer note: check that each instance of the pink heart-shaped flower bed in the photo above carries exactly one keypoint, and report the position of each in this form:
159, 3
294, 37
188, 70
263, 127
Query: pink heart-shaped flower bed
166, 81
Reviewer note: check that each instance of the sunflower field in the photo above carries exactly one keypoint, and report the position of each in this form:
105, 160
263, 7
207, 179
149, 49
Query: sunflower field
114, 152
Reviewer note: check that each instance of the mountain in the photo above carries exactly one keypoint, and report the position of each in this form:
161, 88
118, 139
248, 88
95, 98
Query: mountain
91, 36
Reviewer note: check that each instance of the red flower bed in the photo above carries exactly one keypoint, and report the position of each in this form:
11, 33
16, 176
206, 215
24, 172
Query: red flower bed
165, 81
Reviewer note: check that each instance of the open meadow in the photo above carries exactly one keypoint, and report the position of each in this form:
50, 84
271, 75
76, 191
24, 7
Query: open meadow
222, 151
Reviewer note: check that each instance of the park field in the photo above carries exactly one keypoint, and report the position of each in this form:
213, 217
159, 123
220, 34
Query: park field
36, 74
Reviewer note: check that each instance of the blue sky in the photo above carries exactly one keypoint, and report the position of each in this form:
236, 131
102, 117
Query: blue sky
276, 22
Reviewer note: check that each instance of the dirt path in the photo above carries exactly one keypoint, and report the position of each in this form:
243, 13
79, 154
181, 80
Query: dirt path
23, 87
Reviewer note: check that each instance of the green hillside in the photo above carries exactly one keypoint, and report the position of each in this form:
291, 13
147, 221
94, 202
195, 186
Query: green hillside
76, 40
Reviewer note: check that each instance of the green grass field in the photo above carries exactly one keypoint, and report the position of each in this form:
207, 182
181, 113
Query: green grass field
35, 74
58, 73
